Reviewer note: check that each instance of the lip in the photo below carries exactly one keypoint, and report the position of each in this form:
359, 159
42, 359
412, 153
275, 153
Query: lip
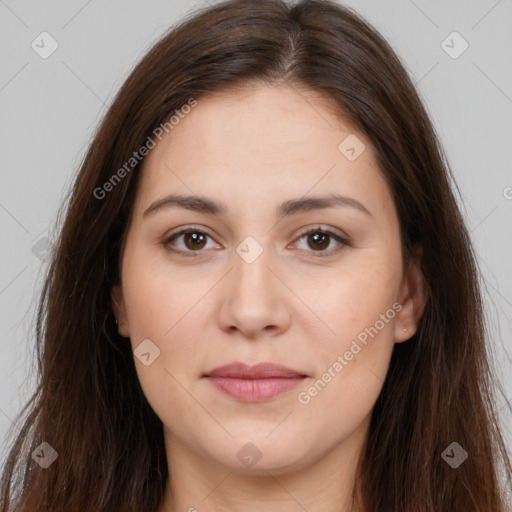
255, 383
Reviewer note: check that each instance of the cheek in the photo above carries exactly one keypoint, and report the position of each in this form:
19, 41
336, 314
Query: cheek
359, 308
163, 308
352, 365
156, 296
355, 299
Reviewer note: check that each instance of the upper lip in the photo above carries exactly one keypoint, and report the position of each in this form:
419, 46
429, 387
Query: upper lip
258, 371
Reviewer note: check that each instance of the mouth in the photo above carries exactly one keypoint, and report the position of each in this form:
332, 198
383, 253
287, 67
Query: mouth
254, 383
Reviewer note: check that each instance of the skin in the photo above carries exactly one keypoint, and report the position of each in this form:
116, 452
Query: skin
252, 150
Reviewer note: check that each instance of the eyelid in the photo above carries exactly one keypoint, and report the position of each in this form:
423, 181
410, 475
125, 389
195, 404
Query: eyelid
324, 229
183, 231
340, 237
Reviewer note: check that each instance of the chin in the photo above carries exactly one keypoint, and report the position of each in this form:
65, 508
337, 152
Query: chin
258, 455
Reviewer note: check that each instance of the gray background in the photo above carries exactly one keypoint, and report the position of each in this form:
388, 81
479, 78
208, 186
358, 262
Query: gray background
50, 107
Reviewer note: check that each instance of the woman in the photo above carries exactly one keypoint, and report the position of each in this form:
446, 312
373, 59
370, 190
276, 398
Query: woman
264, 294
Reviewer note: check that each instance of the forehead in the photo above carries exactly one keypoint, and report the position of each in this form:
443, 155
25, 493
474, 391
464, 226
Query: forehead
272, 123
262, 142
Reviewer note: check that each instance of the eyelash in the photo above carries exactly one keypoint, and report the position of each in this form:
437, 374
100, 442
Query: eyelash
316, 254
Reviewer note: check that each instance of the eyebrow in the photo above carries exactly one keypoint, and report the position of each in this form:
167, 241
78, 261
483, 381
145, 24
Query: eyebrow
287, 208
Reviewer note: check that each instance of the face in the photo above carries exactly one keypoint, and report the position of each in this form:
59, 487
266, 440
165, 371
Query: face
275, 271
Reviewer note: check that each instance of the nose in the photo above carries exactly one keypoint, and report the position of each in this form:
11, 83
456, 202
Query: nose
255, 301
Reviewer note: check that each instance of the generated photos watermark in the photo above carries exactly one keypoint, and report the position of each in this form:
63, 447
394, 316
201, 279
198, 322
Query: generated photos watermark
304, 397
138, 156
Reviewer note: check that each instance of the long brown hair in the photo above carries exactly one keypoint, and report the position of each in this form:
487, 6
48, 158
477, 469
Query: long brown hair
89, 405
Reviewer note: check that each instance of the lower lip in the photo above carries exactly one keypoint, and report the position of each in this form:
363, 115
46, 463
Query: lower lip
255, 390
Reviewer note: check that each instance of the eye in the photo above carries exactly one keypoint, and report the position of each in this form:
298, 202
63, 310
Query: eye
194, 240
320, 239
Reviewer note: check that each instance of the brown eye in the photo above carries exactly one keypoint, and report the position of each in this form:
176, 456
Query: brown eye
187, 241
191, 242
318, 240
194, 240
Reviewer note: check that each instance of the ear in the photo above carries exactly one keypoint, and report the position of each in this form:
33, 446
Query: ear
412, 297
119, 310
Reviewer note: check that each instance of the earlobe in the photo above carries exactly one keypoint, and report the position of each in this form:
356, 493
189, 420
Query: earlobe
413, 295
118, 308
